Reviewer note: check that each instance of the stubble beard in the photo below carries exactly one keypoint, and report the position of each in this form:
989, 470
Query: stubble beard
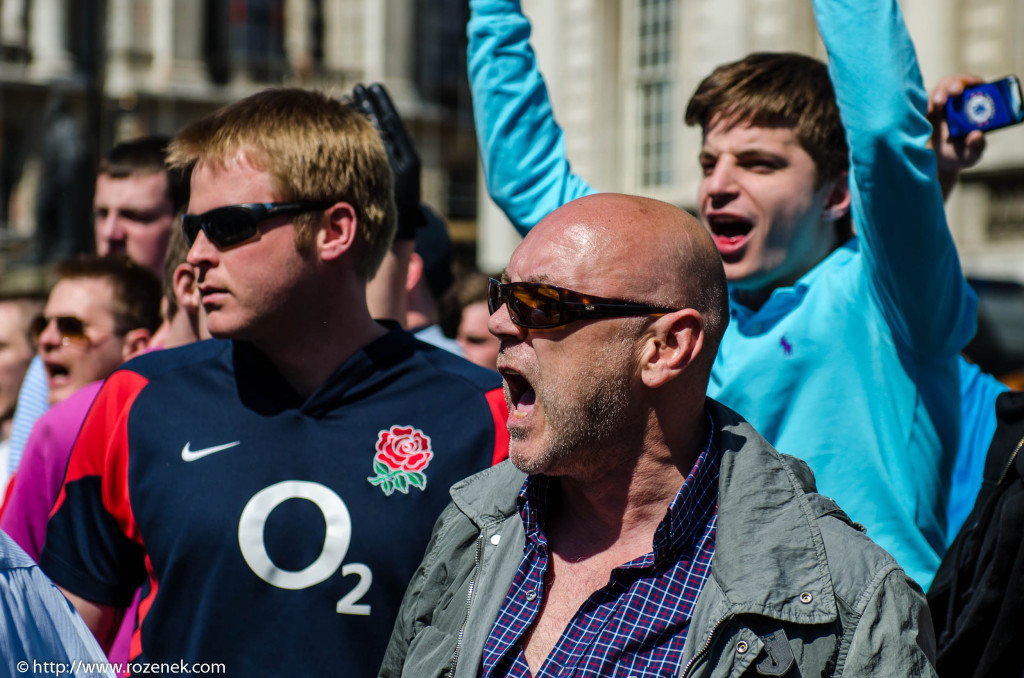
583, 422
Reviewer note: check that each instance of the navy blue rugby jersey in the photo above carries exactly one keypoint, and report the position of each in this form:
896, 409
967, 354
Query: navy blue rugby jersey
269, 533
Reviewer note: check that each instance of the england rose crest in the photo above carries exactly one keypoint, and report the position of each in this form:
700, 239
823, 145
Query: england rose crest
403, 452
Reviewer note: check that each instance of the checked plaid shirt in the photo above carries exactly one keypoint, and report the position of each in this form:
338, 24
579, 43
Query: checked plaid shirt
633, 627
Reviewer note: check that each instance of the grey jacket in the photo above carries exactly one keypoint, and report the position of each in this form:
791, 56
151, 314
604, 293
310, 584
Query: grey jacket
795, 588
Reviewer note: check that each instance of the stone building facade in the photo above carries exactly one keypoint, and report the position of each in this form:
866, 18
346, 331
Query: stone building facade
621, 71
92, 72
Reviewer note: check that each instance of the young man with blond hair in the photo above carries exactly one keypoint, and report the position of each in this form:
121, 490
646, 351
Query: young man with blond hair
271, 493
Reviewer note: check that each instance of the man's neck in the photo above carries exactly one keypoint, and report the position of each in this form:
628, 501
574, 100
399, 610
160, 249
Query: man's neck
178, 331
613, 514
621, 508
306, 357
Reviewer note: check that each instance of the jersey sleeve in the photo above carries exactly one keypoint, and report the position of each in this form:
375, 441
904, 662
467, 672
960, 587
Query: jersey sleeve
521, 146
499, 412
93, 546
909, 254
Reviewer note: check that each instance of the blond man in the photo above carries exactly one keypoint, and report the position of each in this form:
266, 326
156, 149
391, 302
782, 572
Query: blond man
271, 492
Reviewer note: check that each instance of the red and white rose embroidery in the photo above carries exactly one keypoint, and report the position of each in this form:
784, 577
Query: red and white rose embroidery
402, 454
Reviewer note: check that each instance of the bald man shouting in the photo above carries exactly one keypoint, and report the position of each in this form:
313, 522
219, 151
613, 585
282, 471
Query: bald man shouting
641, 528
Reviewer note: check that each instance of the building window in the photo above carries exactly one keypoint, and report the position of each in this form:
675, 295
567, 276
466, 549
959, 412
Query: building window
653, 60
440, 62
245, 38
1006, 206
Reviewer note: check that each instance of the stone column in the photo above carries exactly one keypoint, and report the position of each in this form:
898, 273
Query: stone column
297, 47
375, 39
119, 78
495, 236
12, 24
177, 29
398, 41
344, 36
47, 42
934, 27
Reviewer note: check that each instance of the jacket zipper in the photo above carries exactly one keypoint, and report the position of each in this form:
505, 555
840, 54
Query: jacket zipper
469, 602
703, 650
1006, 469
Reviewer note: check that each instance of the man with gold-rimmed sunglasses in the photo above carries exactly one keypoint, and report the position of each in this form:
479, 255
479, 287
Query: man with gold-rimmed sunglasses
641, 528
101, 312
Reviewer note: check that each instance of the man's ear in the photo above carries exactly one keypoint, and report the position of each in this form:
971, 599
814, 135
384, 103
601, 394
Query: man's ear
672, 344
337, 232
186, 293
135, 342
837, 201
415, 272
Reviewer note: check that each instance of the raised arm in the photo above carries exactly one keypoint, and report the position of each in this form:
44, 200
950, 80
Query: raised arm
896, 202
521, 146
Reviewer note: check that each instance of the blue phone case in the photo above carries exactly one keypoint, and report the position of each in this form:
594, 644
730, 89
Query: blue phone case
985, 107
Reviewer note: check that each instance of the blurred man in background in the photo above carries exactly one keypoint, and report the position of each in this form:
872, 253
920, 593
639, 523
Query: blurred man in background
134, 206
136, 201
16, 351
477, 342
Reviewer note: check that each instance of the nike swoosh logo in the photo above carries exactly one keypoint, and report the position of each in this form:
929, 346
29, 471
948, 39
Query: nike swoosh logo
191, 455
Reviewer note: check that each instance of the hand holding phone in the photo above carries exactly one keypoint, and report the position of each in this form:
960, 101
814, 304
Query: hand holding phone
985, 107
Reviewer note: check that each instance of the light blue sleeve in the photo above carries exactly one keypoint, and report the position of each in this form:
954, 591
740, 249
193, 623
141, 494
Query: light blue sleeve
978, 393
39, 625
897, 207
521, 146
33, 402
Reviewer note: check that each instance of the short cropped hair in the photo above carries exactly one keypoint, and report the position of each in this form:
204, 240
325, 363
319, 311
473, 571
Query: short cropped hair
770, 89
177, 253
135, 298
314, 148
146, 155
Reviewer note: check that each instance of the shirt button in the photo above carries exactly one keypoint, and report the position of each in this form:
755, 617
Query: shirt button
531, 595
806, 597
495, 539
741, 647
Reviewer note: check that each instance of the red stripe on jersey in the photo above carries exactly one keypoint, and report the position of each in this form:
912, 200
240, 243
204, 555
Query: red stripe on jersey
101, 448
7, 493
143, 610
499, 410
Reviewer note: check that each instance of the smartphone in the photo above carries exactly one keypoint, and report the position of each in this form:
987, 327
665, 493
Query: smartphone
986, 107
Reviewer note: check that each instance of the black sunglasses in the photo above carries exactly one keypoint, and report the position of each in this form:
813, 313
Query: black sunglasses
70, 328
538, 306
234, 224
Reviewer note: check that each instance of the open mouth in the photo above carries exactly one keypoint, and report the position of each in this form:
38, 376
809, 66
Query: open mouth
518, 392
56, 373
730, 233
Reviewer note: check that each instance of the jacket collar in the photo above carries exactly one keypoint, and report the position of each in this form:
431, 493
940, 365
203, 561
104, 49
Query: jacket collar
490, 495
